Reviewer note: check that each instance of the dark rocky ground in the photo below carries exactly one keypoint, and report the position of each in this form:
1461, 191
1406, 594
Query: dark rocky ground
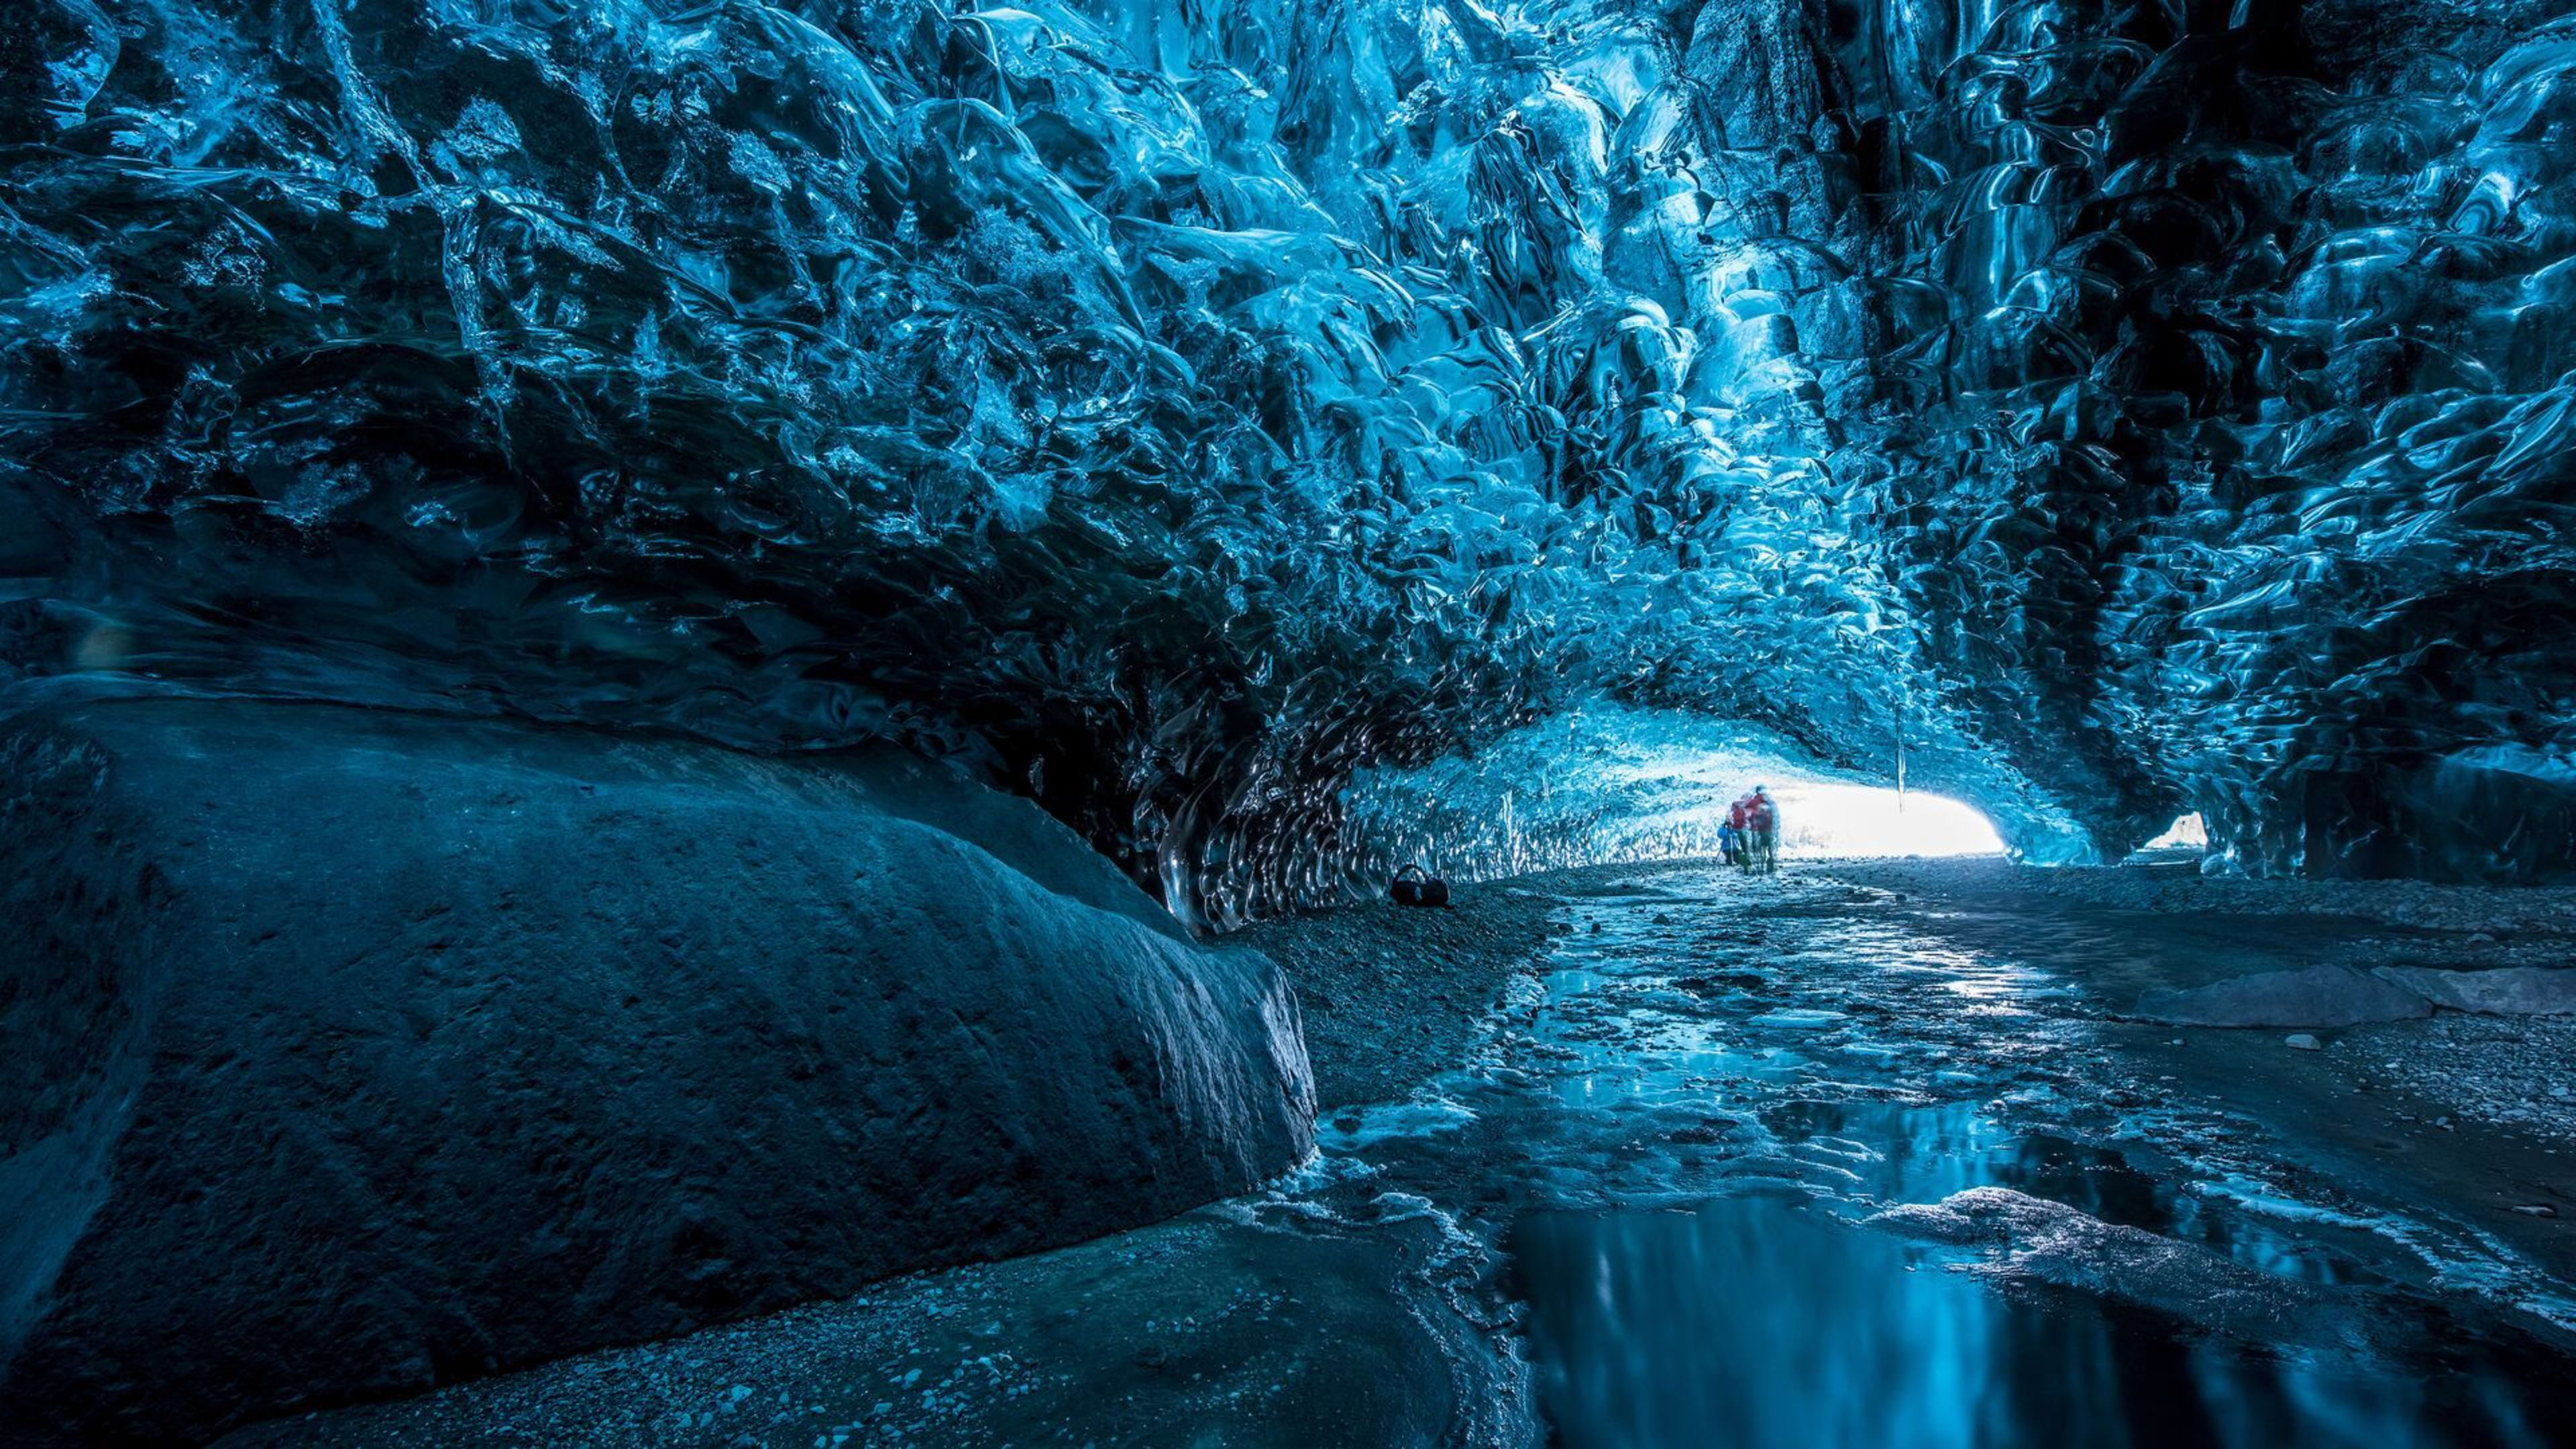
1391, 994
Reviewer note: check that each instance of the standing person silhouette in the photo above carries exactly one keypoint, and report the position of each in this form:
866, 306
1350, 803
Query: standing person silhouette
1759, 819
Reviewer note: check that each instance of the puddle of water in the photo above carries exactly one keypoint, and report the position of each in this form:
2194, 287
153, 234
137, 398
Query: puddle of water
1760, 1081
1755, 1322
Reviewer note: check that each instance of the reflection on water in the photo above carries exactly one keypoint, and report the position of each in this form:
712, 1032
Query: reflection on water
1750, 1322
1836, 1063
1756, 1322
1828, 1062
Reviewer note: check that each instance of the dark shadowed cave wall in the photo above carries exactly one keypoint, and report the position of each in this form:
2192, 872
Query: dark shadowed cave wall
1169, 408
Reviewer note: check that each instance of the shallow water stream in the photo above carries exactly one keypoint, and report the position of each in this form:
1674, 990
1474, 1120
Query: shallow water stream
1722, 1080
1694, 1188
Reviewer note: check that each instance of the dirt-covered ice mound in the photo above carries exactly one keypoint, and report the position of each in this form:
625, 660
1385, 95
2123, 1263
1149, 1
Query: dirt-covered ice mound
2321, 996
2326, 997
347, 1052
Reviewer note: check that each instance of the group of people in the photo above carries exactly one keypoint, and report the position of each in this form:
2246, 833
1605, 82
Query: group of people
1750, 838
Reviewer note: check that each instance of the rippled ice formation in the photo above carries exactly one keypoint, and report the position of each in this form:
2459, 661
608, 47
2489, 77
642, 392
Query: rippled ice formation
1170, 408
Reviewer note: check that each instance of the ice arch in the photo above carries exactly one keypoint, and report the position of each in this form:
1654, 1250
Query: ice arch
1607, 783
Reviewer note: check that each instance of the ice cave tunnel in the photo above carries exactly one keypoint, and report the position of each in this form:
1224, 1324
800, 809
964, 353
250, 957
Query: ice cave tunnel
709, 708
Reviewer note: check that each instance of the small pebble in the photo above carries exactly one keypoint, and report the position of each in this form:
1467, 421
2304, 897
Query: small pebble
2303, 1042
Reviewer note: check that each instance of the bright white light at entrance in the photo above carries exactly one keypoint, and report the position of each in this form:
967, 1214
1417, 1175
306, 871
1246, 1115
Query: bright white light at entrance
1863, 820
1607, 783
2187, 831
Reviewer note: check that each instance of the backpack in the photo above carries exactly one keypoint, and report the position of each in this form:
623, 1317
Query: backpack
1415, 886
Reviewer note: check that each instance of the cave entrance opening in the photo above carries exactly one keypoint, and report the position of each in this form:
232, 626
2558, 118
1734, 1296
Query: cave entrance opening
1845, 821
1610, 782
2188, 832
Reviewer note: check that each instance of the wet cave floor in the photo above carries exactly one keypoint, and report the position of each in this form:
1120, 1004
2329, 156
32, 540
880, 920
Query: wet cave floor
1854, 1155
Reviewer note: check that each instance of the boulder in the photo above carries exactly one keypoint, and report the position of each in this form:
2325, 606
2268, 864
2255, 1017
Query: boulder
345, 1052
2336, 996
2503, 991
2049, 1242
2319, 997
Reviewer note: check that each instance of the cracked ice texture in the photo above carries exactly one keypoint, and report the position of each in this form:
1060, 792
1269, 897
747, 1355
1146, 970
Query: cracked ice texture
1171, 408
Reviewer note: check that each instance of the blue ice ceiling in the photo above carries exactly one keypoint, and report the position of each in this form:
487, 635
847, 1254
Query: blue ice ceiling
1175, 408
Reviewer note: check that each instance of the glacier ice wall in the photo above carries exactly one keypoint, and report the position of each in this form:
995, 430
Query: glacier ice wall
2246, 469
1173, 406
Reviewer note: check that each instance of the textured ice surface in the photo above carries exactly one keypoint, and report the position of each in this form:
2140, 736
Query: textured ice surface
1171, 407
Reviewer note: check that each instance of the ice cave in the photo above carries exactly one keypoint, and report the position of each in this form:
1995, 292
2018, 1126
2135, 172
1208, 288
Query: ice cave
1711, 723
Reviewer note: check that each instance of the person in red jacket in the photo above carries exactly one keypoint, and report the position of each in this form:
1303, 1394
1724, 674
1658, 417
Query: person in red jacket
1730, 836
1757, 821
